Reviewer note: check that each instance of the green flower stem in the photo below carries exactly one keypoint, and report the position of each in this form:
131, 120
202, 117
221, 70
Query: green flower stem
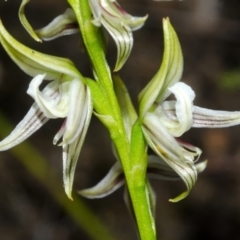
133, 166
40, 169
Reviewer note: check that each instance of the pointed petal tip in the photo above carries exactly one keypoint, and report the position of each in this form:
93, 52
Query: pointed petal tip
69, 194
179, 198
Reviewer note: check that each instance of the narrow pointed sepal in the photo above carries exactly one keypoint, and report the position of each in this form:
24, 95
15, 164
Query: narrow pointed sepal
34, 63
64, 24
25, 22
168, 74
72, 150
110, 183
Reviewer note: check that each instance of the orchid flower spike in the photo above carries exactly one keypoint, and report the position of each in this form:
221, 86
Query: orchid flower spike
163, 121
66, 96
119, 24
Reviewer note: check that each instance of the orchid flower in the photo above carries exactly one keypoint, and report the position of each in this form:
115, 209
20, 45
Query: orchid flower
119, 24
109, 13
163, 121
66, 96
157, 168
64, 24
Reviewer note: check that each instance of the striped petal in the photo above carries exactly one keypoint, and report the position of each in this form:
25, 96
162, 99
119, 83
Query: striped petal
64, 24
71, 151
33, 120
119, 24
122, 35
78, 108
207, 118
52, 108
168, 149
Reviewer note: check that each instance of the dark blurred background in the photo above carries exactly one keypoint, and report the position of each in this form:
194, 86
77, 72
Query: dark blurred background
209, 32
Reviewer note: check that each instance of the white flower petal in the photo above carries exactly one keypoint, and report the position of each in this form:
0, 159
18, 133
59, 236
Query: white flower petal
96, 11
71, 151
159, 169
207, 118
122, 35
134, 23
119, 24
77, 111
34, 120
110, 183
190, 152
160, 135
51, 107
184, 108
167, 148
64, 24
60, 133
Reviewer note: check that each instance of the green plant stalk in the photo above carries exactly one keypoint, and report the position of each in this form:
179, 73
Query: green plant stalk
36, 164
134, 167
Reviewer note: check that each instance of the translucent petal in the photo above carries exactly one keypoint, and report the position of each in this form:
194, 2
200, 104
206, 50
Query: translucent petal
110, 183
64, 24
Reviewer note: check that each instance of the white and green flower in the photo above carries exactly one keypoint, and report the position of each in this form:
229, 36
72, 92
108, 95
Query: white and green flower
119, 24
163, 121
66, 97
